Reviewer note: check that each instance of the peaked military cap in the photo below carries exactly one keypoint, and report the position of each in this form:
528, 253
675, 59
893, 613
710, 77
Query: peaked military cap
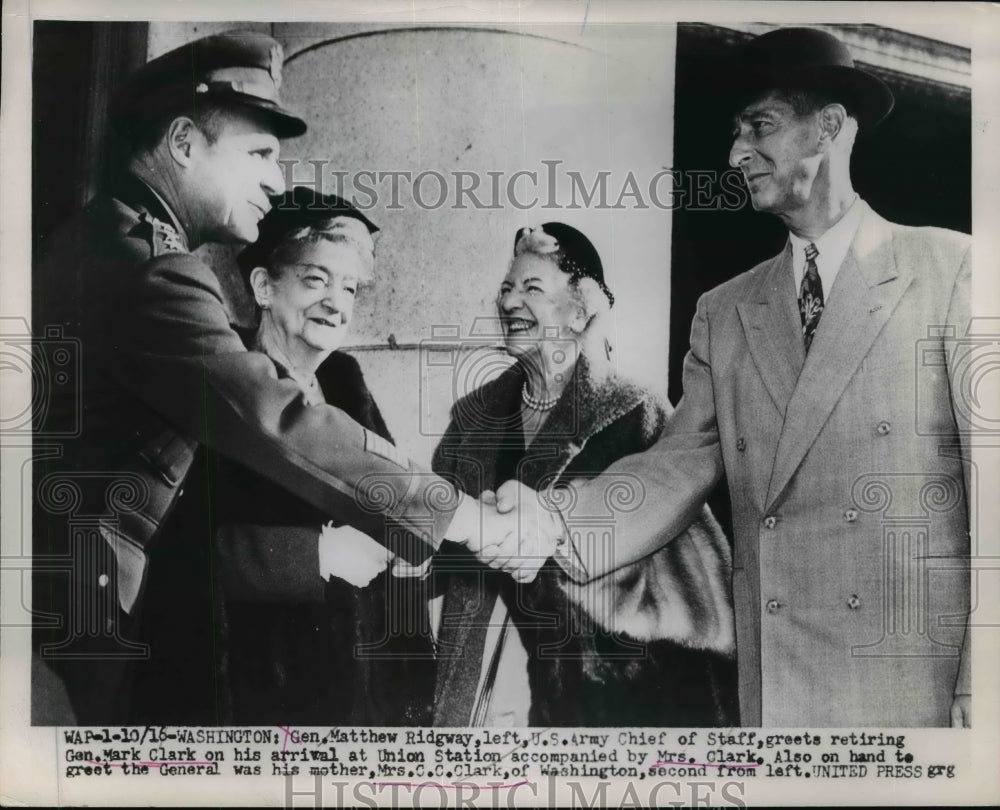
240, 68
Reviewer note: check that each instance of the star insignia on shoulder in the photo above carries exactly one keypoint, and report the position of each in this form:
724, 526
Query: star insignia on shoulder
166, 238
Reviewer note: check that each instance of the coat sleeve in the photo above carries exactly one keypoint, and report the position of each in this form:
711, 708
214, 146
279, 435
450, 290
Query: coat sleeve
280, 564
270, 564
177, 353
960, 317
653, 496
681, 592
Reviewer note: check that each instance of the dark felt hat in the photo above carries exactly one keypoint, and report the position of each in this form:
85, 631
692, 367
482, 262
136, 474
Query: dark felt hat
810, 59
241, 68
298, 207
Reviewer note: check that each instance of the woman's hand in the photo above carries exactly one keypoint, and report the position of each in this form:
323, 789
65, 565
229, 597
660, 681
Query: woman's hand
350, 555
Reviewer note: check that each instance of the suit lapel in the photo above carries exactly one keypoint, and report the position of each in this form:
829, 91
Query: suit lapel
868, 287
772, 326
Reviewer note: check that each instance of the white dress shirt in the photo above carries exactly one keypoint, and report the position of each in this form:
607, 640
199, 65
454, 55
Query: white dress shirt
832, 246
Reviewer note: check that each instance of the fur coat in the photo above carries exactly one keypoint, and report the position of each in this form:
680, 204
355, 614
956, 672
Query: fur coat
649, 644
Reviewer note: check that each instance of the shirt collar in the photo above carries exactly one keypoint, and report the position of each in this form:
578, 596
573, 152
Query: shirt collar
832, 246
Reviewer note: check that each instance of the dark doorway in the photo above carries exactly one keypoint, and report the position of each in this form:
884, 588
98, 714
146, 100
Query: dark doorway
76, 67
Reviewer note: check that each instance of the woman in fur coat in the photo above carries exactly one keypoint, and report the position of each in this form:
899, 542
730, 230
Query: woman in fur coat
648, 645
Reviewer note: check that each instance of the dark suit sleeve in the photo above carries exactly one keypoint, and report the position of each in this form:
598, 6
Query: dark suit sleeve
653, 496
280, 564
270, 564
177, 353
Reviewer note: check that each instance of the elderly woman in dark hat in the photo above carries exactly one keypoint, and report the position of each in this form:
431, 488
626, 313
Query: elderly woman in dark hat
305, 602
650, 644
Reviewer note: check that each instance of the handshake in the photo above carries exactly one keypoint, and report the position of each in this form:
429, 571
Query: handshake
510, 530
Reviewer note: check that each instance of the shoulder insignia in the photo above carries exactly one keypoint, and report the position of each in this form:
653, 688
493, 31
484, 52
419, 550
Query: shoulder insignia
166, 239
162, 237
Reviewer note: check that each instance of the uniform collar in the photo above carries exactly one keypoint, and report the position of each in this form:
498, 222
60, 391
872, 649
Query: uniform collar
142, 197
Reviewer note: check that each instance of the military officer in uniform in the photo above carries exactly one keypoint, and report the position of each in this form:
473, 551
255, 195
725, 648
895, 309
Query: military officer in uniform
122, 521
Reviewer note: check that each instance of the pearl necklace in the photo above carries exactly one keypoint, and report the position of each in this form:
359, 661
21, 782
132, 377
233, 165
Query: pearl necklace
541, 404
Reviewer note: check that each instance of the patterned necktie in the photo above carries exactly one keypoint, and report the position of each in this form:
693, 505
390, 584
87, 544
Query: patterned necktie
810, 296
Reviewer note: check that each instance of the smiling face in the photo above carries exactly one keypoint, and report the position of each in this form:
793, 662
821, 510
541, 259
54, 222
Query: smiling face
233, 169
536, 301
777, 151
308, 299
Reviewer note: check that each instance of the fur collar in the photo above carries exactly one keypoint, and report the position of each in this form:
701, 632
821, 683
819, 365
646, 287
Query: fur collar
681, 591
592, 400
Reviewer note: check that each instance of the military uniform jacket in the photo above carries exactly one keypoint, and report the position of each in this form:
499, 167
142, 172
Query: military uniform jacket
161, 371
848, 475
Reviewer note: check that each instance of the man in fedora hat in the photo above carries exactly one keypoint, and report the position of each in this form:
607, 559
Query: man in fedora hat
845, 449
164, 374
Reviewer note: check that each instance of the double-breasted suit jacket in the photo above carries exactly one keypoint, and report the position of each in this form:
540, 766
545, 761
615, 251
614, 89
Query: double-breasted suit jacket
848, 474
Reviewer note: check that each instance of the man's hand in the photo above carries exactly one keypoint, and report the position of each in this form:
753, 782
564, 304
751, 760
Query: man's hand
521, 535
961, 711
466, 522
511, 530
353, 556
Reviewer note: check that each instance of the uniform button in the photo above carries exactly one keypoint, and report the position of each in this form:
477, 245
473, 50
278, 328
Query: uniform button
741, 444
883, 428
770, 522
854, 602
102, 580
773, 605
851, 515
180, 492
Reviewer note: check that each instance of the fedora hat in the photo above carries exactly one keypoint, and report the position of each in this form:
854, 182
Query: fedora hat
810, 59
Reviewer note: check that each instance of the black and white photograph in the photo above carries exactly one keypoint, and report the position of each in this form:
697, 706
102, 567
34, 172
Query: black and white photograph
407, 404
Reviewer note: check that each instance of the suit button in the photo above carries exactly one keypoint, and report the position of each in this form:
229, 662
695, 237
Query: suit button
854, 602
851, 515
770, 522
102, 580
773, 605
180, 492
741, 444
883, 428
